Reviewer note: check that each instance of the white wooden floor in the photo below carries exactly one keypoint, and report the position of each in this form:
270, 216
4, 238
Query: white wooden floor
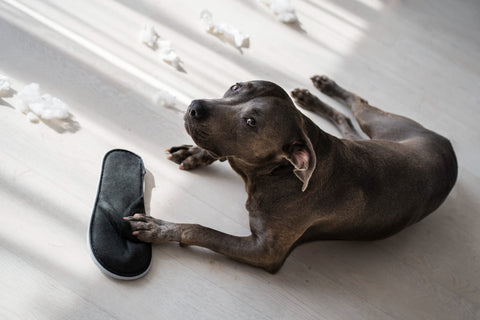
416, 58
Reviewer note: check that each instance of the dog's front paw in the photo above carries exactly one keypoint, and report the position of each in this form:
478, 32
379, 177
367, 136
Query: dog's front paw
325, 85
149, 229
189, 157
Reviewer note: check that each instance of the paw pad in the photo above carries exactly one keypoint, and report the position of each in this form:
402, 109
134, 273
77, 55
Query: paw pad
301, 95
324, 84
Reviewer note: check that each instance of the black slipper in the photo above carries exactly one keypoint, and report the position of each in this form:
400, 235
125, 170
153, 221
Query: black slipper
120, 194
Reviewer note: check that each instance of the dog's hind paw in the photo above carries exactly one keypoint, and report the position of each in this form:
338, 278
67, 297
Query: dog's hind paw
325, 85
303, 98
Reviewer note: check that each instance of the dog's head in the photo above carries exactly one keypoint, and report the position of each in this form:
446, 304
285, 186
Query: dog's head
255, 122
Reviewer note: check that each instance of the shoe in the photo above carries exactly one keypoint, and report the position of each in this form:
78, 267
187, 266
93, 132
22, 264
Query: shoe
120, 194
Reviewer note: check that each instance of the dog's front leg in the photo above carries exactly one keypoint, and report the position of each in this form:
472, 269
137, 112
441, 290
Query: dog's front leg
251, 249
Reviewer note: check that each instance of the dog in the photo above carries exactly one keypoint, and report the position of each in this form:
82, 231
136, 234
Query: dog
304, 184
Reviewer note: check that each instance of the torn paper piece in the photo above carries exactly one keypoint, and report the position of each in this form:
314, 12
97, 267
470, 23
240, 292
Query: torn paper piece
30, 93
282, 9
164, 99
32, 103
49, 108
149, 36
4, 86
230, 33
167, 53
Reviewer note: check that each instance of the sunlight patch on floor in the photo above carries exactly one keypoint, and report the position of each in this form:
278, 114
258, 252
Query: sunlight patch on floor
101, 52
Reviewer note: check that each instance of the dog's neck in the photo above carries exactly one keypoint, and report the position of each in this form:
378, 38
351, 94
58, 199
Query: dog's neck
249, 171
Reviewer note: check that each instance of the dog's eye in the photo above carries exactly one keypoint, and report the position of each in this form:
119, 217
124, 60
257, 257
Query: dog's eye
251, 122
235, 87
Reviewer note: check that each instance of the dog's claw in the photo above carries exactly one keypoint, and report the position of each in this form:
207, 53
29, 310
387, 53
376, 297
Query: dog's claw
149, 229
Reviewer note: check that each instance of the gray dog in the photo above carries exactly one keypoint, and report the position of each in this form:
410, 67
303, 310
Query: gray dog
304, 184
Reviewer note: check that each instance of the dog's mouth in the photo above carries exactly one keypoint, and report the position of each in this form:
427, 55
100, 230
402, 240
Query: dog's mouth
200, 137
195, 131
187, 127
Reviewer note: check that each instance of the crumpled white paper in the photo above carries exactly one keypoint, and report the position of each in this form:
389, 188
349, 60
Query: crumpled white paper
282, 9
230, 33
150, 38
35, 105
164, 99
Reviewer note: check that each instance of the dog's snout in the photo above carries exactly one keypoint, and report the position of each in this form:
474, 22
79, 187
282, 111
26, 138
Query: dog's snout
197, 110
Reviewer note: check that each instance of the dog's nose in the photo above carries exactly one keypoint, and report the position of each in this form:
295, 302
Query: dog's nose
197, 110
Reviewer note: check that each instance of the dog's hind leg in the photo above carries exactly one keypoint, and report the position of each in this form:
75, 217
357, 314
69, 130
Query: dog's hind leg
308, 101
377, 124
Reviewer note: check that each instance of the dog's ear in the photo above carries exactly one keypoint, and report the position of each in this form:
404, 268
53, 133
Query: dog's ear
302, 156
